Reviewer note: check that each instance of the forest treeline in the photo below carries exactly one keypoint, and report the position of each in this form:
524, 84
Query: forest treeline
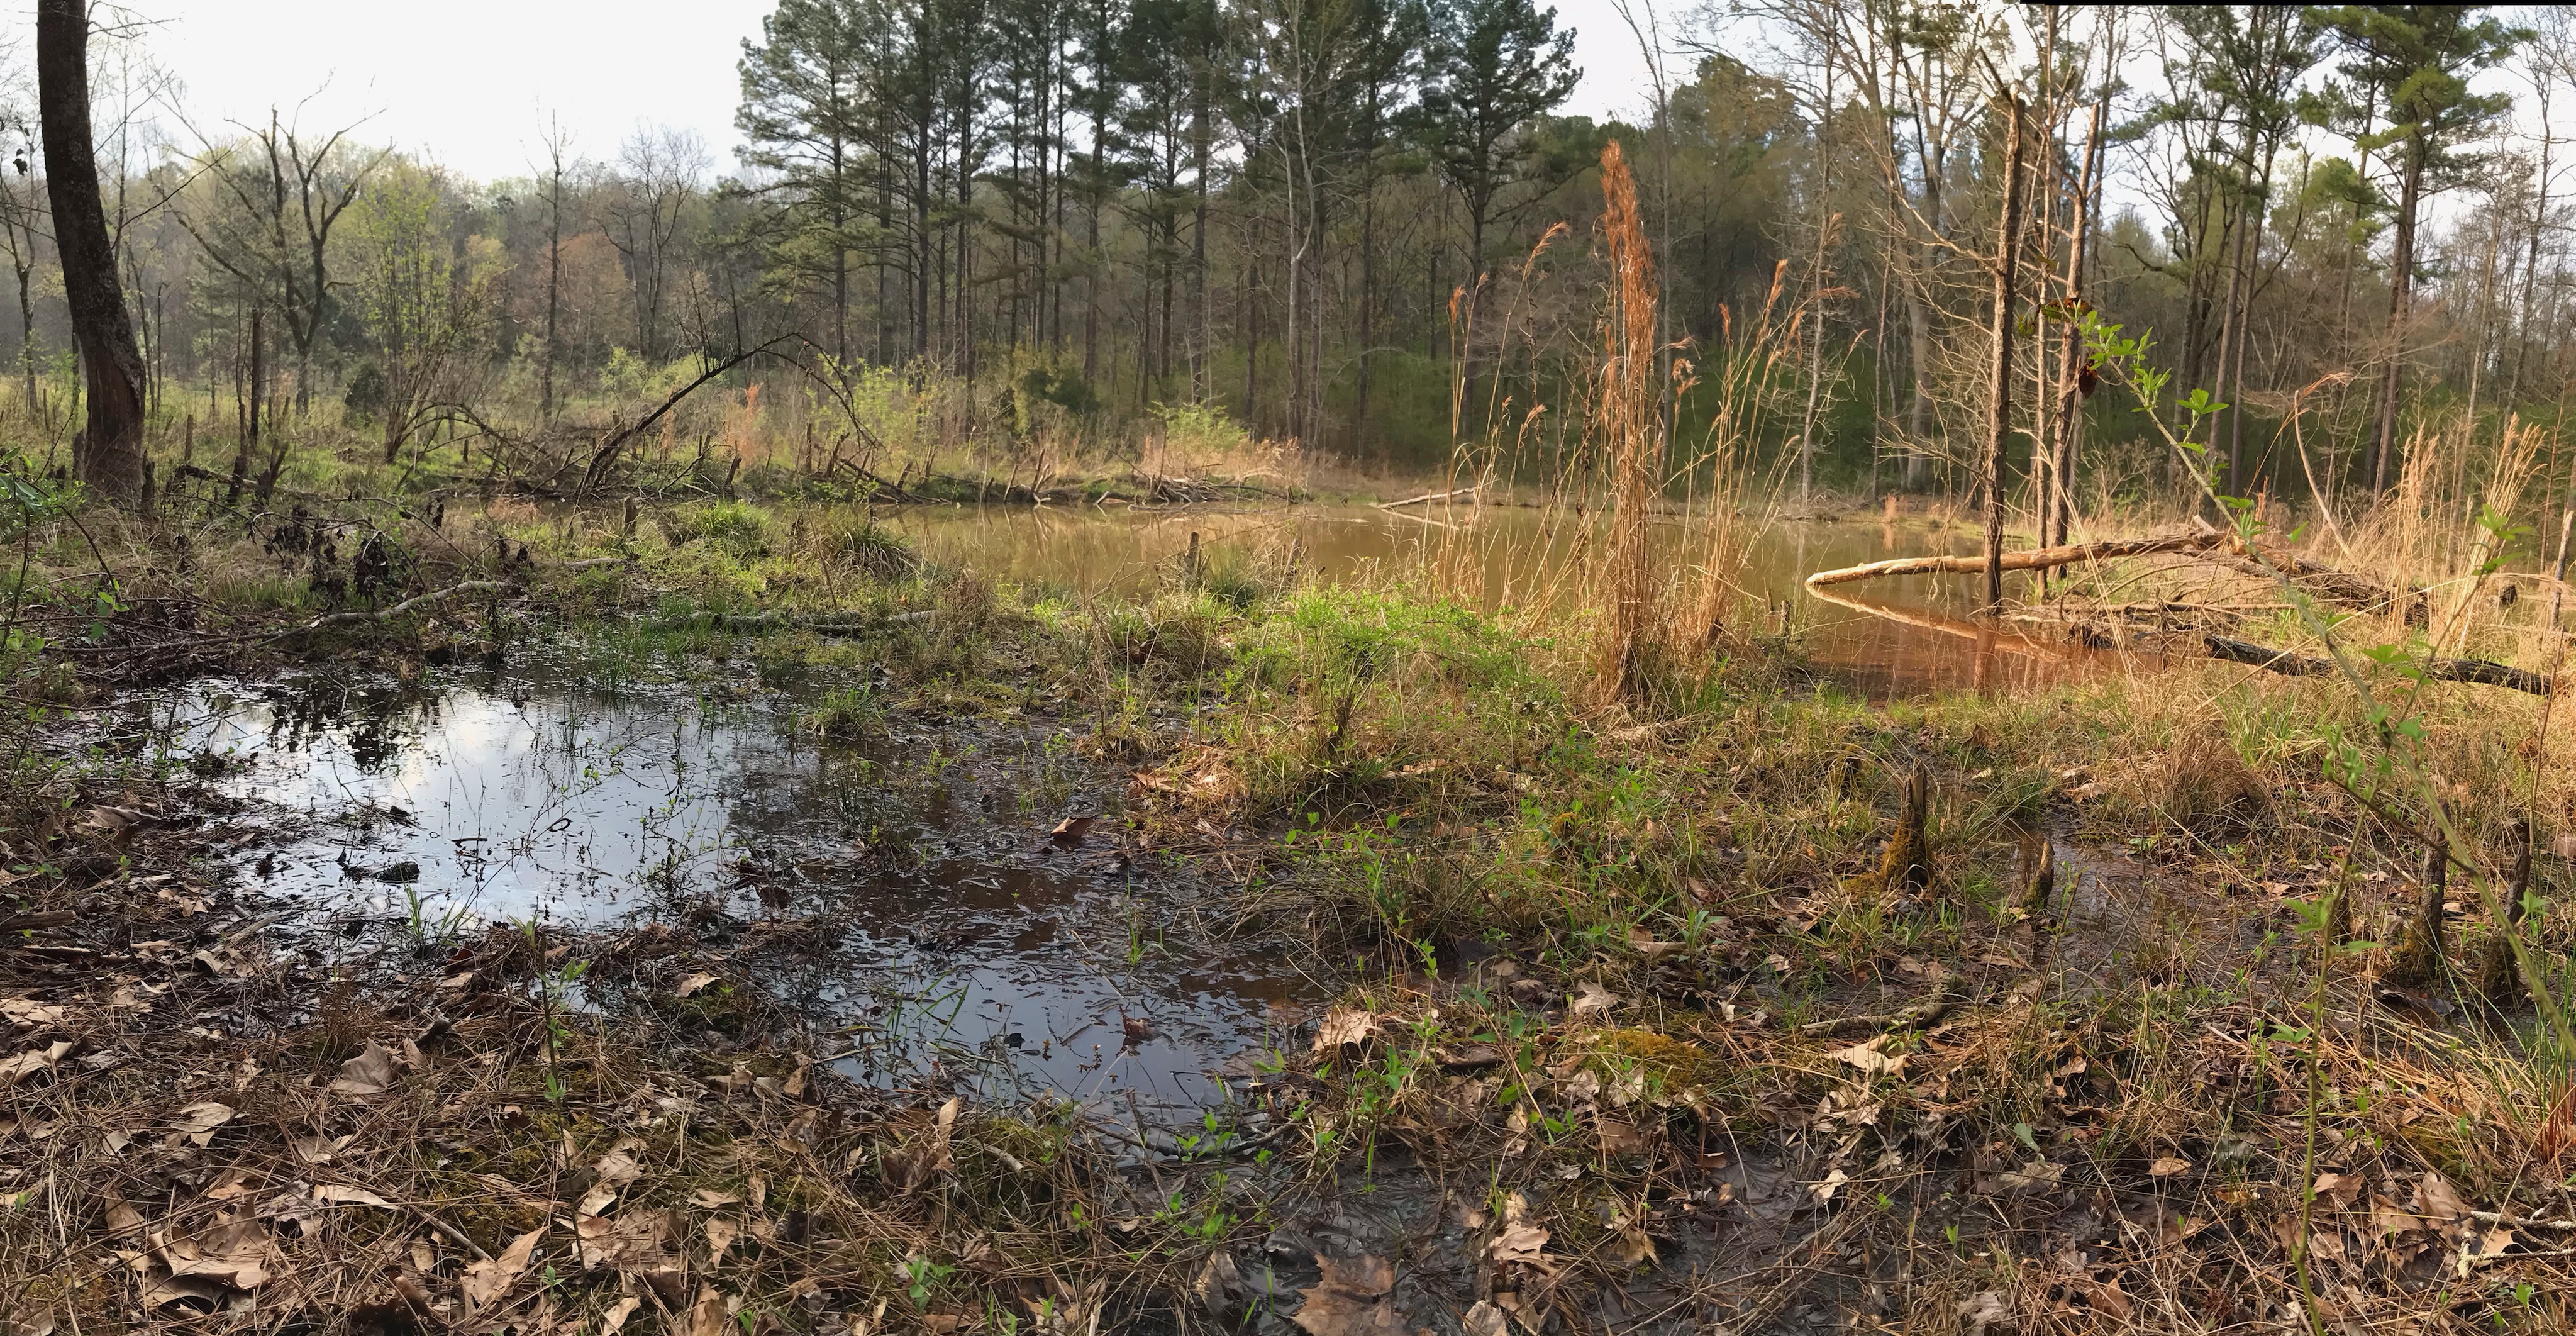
1367, 227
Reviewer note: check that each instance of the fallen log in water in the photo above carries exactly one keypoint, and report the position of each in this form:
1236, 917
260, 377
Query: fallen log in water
2028, 559
2482, 672
1431, 498
2219, 547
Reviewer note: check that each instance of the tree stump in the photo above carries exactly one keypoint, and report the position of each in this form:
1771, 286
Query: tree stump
2421, 958
2499, 973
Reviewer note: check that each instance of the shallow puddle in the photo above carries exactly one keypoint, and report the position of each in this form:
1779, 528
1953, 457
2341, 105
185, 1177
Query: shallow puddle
959, 939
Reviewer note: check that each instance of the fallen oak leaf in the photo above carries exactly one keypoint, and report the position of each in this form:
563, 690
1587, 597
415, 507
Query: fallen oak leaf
2167, 1166
369, 1073
235, 1254
1871, 1060
34, 1060
1343, 1027
614, 1320
709, 1316
28, 1012
488, 1280
2340, 1189
1591, 999
693, 984
198, 1121
1355, 1297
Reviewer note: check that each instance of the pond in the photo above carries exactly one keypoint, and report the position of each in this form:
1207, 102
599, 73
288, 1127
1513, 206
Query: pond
1904, 637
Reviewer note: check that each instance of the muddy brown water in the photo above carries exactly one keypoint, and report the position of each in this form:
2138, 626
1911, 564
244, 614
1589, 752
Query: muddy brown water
966, 946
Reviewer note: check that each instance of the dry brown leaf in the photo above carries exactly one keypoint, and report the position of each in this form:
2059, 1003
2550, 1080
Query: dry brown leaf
1522, 1242
369, 1073
1870, 1060
614, 1320
1355, 1297
2494, 1240
693, 984
34, 1060
2436, 1200
711, 1199
319, 1149
1591, 999
1343, 1026
488, 1280
634, 1241
122, 1219
2166, 1166
2036, 1174
1485, 1320
237, 1254
28, 1011
198, 1121
1644, 944
1984, 1309
2340, 1189
161, 1292
341, 1194
708, 1316
721, 1234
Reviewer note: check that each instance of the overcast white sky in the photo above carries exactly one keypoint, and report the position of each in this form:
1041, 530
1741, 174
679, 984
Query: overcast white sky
470, 82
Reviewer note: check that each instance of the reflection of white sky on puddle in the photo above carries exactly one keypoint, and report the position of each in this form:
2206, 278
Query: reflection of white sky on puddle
1035, 944
484, 767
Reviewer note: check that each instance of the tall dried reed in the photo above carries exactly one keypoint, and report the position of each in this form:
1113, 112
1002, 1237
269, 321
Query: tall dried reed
1628, 423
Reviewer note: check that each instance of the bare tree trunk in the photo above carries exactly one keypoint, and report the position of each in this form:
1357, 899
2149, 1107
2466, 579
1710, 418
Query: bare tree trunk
1820, 281
1999, 407
554, 281
2383, 441
108, 453
2053, 526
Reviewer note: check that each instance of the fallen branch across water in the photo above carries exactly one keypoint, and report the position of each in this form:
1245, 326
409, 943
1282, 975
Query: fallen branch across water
1430, 498
2028, 559
2217, 547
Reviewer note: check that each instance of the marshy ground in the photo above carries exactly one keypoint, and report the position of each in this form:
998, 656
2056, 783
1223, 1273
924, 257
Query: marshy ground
753, 914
